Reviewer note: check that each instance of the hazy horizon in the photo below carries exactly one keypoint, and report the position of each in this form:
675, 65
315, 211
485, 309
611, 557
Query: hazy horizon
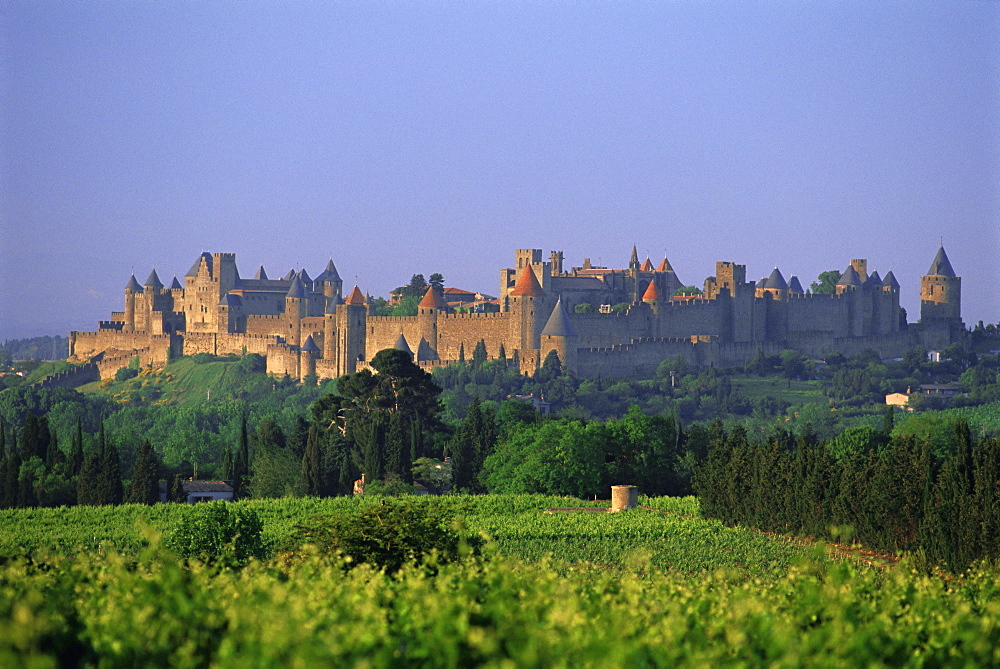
402, 138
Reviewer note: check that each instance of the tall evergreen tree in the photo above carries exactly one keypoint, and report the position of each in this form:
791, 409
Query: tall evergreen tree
35, 437
312, 464
144, 488
479, 353
76, 450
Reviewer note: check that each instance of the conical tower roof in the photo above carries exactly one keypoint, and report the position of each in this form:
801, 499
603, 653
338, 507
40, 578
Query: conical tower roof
647, 266
941, 266
304, 276
874, 281
261, 275
652, 293
310, 345
291, 275
296, 290
890, 280
559, 324
794, 285
153, 281
355, 297
633, 261
776, 281
133, 285
664, 266
849, 277
432, 300
175, 284
401, 344
527, 285
330, 273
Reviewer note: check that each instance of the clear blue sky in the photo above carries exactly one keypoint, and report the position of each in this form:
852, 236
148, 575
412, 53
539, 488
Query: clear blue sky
404, 137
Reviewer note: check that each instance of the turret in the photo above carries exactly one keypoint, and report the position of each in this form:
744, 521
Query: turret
131, 289
652, 297
402, 345
351, 319
296, 304
330, 283
527, 297
940, 291
775, 286
849, 280
430, 307
559, 335
307, 358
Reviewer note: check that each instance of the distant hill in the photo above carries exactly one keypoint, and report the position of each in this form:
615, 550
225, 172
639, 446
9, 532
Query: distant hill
37, 348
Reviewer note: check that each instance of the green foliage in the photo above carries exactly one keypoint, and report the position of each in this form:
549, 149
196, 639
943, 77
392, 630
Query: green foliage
218, 533
584, 308
644, 588
125, 373
826, 283
389, 536
688, 290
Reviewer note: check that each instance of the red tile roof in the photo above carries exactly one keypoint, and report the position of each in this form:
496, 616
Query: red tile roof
652, 292
433, 300
355, 297
527, 285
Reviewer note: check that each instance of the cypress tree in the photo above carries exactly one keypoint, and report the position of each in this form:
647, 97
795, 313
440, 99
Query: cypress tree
35, 437
177, 493
87, 482
461, 352
312, 464
226, 469
144, 488
110, 481
479, 353
11, 485
76, 450
397, 448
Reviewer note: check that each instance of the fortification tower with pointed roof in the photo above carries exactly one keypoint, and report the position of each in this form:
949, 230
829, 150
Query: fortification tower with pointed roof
940, 291
428, 310
528, 306
351, 318
559, 335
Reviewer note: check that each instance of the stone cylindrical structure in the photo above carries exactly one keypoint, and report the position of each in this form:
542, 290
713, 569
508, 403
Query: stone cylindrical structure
624, 497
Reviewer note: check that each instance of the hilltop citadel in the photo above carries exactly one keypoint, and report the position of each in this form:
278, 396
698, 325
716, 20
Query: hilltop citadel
306, 326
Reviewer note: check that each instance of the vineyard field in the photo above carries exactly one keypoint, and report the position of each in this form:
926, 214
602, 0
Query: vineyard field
651, 587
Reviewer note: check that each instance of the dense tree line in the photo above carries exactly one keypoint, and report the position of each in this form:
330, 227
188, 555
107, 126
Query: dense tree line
891, 493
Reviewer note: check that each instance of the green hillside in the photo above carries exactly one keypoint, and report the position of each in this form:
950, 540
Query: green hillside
194, 381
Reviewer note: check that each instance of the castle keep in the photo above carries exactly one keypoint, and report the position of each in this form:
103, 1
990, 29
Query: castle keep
620, 322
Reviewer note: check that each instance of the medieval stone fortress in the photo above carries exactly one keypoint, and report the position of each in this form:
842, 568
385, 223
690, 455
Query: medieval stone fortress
305, 326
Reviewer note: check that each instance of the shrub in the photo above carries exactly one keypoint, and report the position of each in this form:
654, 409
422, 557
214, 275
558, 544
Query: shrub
218, 533
126, 373
388, 536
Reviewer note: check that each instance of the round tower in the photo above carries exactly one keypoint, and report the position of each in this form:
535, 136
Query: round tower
307, 358
351, 319
527, 298
940, 291
558, 335
131, 289
430, 307
652, 297
296, 304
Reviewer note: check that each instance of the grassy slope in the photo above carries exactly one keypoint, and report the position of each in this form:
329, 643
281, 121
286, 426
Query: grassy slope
183, 382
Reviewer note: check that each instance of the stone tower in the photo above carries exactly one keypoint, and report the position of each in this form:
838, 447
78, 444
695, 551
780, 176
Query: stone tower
527, 298
558, 335
352, 316
428, 310
296, 304
940, 291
